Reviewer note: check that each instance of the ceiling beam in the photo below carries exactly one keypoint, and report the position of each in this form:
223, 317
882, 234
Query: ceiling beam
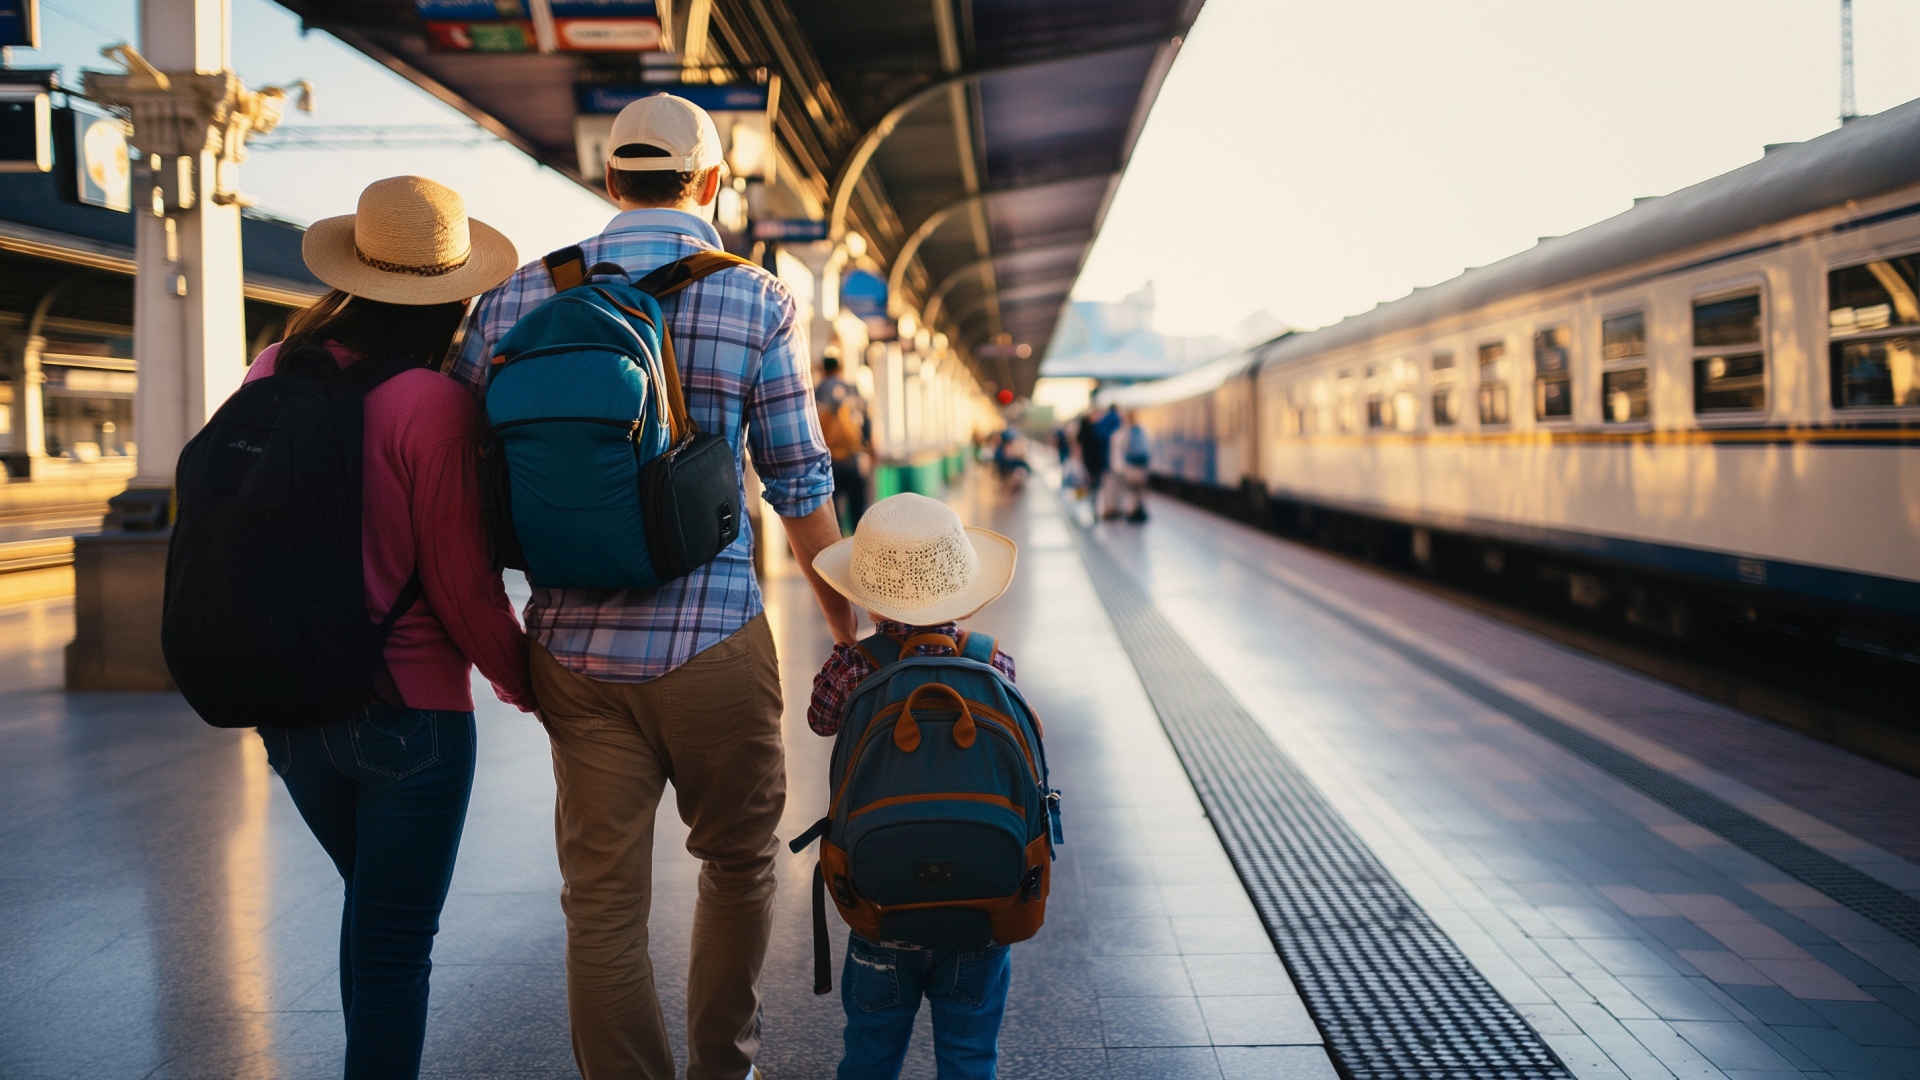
855, 164
975, 203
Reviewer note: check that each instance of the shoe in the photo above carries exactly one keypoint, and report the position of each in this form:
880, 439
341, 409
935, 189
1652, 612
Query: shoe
1138, 517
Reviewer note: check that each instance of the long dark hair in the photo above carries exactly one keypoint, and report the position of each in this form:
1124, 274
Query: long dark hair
392, 336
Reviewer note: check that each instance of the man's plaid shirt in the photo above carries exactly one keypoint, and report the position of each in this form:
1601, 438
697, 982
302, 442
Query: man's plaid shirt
744, 368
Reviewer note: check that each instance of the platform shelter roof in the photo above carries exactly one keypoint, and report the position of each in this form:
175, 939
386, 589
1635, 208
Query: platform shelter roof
974, 144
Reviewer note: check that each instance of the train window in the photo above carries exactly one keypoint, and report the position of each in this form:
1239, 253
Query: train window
1873, 296
1732, 321
1624, 337
1728, 379
1552, 373
1723, 383
1625, 395
1880, 371
1446, 395
1493, 383
1874, 358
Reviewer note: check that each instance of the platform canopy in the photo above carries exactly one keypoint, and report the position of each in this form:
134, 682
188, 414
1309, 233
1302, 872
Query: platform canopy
974, 145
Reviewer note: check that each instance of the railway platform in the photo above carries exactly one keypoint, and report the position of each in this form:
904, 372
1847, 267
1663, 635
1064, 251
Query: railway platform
1318, 823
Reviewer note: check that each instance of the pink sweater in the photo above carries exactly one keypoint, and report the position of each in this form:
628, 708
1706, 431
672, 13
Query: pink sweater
421, 507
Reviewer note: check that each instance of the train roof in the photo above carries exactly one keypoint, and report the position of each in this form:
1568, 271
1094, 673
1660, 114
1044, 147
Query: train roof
1870, 156
1200, 380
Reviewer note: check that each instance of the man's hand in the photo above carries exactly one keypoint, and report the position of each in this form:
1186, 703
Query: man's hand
810, 536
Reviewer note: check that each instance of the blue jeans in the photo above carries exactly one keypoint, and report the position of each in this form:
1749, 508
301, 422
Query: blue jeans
386, 796
881, 990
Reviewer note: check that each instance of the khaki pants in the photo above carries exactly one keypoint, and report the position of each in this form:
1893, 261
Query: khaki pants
712, 727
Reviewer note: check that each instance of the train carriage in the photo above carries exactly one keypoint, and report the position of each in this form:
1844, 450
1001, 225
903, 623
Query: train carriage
1703, 410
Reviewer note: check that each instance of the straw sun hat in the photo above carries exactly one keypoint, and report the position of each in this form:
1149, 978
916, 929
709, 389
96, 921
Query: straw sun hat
910, 560
410, 243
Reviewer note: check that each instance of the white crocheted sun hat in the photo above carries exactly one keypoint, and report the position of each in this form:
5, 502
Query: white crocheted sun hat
912, 561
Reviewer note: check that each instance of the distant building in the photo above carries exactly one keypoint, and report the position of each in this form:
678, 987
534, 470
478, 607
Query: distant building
1117, 343
66, 310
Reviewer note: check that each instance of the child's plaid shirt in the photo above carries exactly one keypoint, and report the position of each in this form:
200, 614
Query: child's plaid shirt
849, 666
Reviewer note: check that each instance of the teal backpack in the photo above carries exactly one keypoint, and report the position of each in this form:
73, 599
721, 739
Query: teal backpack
941, 828
594, 475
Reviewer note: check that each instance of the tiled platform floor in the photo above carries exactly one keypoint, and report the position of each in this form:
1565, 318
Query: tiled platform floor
1638, 943
164, 913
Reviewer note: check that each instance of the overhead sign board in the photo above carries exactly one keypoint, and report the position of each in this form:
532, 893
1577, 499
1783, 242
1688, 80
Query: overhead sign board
742, 113
96, 164
789, 229
606, 35
489, 37
732, 97
20, 23
540, 25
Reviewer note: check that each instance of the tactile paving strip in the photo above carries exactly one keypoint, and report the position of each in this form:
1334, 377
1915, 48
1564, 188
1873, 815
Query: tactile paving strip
1864, 894
1392, 995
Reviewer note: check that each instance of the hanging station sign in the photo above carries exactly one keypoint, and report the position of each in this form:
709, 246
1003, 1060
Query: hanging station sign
605, 25
743, 113
792, 230
495, 26
96, 163
517, 26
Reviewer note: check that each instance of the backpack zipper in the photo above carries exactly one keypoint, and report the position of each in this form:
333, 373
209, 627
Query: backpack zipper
632, 426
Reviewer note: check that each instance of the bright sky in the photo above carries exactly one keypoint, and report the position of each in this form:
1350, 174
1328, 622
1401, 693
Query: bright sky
1313, 159
1309, 159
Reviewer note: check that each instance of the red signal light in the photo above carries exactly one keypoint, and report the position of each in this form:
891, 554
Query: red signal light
1005, 397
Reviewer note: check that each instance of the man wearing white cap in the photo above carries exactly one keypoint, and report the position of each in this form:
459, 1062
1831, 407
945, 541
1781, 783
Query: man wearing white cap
641, 687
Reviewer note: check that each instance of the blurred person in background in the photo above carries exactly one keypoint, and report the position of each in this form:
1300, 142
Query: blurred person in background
1093, 456
1010, 460
1133, 449
848, 431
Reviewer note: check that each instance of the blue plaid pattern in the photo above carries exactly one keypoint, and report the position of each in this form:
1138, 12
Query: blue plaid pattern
744, 368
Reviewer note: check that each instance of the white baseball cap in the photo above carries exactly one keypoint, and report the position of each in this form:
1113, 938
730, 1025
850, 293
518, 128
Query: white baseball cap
663, 133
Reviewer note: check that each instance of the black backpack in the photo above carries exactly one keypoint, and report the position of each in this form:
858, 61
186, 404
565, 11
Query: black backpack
265, 617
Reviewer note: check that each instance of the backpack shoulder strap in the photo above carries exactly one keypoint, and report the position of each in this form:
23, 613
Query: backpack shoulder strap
978, 647
880, 649
567, 268
664, 281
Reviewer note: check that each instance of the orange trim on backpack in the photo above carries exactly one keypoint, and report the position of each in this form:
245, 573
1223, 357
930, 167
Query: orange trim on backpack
942, 796
1012, 918
921, 640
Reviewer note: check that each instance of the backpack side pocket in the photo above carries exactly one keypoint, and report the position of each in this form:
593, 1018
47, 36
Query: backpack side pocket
496, 501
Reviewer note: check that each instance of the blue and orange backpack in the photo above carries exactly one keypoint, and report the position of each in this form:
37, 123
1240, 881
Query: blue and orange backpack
941, 828
594, 473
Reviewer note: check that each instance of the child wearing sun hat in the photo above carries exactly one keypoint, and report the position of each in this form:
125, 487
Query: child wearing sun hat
917, 571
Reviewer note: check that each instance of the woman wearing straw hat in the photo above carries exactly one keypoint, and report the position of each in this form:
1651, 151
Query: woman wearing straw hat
386, 793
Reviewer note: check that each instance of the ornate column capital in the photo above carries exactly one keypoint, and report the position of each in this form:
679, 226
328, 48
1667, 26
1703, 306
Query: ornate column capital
187, 113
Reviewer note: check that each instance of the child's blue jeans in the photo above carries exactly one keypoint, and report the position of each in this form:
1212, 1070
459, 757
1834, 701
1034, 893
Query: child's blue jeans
881, 989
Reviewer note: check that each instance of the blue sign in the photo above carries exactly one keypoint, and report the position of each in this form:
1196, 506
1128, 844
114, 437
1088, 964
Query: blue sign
736, 97
20, 23
604, 9
458, 10
864, 294
795, 229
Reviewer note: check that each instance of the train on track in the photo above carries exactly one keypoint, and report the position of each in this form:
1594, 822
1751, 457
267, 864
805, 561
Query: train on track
1697, 422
